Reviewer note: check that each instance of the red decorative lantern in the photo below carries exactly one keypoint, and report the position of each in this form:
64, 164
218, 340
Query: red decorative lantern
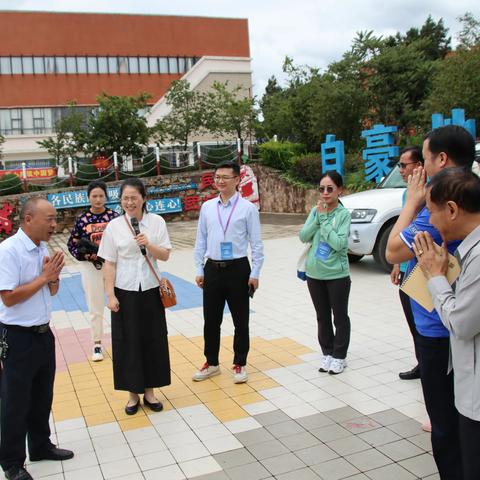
101, 163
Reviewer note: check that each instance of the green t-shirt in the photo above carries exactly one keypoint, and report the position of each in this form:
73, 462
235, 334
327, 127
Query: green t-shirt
328, 233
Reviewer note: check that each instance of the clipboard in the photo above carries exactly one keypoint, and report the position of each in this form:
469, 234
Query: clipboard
415, 284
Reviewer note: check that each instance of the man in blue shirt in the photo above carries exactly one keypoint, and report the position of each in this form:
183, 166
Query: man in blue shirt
444, 147
410, 158
28, 279
227, 225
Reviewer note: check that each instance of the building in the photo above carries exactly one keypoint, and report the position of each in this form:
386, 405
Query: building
48, 60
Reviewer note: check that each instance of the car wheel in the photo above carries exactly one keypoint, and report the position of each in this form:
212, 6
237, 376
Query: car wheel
380, 247
352, 258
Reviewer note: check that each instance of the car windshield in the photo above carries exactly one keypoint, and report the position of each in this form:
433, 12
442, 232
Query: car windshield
393, 179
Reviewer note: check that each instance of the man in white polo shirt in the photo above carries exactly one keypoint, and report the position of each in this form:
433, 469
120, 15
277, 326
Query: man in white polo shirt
28, 279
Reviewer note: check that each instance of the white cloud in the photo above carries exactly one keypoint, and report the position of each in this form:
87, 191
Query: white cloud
313, 32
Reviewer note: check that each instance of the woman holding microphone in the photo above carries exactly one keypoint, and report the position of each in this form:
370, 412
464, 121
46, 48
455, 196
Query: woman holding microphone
139, 329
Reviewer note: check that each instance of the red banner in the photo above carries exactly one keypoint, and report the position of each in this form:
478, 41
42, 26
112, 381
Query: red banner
33, 173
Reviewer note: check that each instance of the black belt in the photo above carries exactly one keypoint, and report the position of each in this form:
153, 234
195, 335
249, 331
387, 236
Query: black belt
35, 329
225, 263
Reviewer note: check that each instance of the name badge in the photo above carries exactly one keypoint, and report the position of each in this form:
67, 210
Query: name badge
226, 250
323, 251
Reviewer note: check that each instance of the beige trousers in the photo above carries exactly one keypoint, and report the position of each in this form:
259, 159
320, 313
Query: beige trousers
94, 287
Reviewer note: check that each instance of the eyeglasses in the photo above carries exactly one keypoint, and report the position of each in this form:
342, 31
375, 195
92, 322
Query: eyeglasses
217, 178
328, 188
404, 165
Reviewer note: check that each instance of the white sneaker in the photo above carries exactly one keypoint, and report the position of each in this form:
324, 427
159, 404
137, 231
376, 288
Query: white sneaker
239, 374
97, 355
325, 363
337, 366
205, 372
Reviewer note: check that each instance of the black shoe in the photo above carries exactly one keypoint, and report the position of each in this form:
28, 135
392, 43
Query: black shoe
155, 407
17, 473
53, 453
132, 409
411, 374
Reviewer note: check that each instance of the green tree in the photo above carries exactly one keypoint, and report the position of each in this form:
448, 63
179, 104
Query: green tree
69, 137
436, 42
469, 35
231, 111
2, 140
118, 125
456, 84
186, 117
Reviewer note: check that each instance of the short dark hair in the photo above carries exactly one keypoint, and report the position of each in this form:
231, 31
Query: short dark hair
138, 185
415, 153
30, 207
234, 166
455, 141
97, 184
334, 176
458, 185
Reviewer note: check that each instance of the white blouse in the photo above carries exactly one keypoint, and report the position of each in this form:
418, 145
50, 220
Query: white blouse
118, 246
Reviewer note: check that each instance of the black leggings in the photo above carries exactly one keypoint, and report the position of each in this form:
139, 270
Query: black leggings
332, 296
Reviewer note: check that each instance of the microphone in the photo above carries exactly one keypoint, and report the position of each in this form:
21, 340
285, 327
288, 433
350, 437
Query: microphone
136, 229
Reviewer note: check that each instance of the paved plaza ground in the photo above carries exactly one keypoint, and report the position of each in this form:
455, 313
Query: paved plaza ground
288, 422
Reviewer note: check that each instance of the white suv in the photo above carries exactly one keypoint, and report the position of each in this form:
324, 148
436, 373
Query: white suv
373, 214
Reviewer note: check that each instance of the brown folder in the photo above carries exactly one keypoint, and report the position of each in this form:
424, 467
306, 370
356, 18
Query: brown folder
415, 285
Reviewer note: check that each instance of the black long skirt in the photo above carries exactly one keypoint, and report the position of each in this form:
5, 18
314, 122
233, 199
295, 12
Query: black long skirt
139, 341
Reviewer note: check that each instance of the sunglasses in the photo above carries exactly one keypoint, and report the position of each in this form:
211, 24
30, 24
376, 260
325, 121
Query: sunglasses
328, 188
404, 165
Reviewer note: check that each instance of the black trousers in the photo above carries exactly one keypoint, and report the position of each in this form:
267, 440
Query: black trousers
226, 284
407, 311
439, 398
470, 445
332, 296
139, 341
27, 393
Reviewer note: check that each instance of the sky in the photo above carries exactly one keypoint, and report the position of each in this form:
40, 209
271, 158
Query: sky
312, 32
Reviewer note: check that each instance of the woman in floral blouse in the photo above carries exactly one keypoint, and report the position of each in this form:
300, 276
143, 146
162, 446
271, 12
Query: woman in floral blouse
83, 245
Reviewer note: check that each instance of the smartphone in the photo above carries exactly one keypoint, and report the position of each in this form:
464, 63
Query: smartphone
251, 290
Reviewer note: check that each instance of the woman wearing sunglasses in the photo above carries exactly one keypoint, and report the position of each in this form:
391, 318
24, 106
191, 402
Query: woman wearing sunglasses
328, 274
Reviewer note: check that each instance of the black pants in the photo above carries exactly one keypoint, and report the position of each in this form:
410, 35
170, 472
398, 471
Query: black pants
27, 392
470, 445
332, 296
438, 393
407, 311
226, 284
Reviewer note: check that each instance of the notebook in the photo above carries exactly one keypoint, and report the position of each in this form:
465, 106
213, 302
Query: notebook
415, 285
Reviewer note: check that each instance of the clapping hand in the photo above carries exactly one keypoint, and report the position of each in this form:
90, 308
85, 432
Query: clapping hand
433, 260
52, 266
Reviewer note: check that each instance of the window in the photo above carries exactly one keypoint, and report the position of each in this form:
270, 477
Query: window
181, 65
102, 65
27, 65
82, 65
189, 62
71, 65
60, 65
17, 65
16, 121
173, 65
5, 66
153, 64
133, 64
49, 64
92, 64
163, 62
143, 64
38, 65
38, 120
123, 65
113, 64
